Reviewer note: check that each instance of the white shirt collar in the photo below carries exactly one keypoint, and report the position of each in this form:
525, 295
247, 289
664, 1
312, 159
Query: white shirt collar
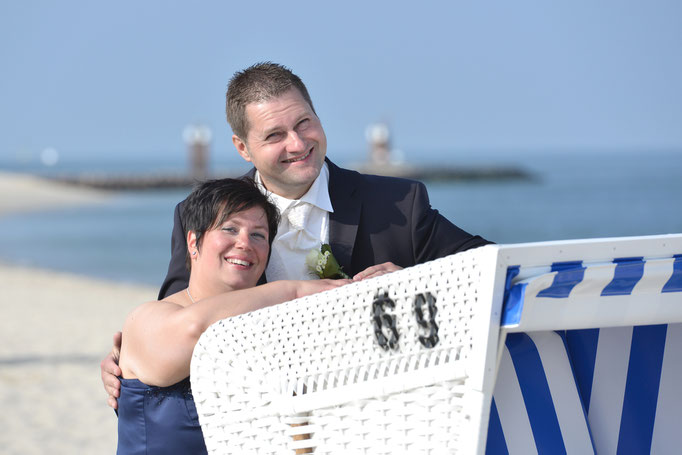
317, 195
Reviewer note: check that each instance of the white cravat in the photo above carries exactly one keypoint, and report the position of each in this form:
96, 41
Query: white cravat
299, 236
304, 226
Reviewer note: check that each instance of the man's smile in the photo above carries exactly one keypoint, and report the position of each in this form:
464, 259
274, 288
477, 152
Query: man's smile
299, 158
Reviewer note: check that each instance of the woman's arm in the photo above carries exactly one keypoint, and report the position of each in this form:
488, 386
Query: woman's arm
159, 337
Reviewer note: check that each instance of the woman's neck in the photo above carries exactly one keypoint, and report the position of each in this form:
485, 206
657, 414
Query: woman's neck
198, 290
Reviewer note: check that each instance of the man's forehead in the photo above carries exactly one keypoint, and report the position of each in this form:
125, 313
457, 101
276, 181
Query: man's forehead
291, 95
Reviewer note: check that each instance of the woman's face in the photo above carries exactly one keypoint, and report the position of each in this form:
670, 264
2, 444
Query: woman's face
235, 253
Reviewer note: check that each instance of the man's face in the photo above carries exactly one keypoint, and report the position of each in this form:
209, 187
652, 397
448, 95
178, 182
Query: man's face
285, 142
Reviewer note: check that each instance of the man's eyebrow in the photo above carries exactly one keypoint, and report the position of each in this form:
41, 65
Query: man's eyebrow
278, 128
274, 129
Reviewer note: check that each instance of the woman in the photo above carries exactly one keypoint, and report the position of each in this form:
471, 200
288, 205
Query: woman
230, 226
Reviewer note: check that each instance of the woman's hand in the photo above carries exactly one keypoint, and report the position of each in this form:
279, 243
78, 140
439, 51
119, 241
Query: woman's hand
308, 287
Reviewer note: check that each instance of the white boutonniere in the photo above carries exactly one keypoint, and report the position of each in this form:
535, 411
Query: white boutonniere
323, 263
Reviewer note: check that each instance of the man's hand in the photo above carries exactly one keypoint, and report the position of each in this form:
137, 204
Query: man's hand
111, 371
376, 270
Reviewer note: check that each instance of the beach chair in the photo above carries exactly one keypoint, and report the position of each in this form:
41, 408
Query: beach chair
497, 350
401, 363
617, 306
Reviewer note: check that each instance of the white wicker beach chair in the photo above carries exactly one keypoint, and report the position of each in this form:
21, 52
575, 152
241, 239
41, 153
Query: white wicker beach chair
362, 369
403, 363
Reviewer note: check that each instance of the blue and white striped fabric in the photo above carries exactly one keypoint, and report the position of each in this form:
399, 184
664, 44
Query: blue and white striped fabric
630, 380
627, 371
536, 407
573, 295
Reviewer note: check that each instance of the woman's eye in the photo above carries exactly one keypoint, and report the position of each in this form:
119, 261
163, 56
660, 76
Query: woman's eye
258, 235
230, 229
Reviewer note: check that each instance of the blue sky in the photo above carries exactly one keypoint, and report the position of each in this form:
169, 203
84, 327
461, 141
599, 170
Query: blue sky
122, 79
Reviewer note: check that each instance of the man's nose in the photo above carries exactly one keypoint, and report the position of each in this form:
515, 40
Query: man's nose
294, 142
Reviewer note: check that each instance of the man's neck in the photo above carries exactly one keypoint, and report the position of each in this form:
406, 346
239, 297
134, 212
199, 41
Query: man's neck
293, 194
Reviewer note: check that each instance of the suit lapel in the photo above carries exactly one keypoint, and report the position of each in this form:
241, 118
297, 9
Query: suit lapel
343, 222
252, 175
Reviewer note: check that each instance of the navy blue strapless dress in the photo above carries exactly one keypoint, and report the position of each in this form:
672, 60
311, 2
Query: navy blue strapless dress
158, 420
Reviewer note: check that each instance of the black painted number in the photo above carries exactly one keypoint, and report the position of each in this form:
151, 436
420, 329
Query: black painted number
381, 319
385, 327
429, 325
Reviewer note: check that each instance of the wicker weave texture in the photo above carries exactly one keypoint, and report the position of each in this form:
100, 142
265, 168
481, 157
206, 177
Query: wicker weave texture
315, 366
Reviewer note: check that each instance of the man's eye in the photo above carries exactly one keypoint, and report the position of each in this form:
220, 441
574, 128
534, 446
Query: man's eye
273, 136
304, 123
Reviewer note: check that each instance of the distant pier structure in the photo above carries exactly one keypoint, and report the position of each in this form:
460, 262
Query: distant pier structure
384, 160
198, 140
379, 140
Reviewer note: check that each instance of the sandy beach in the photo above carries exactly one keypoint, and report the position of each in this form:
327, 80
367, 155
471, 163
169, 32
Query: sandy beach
54, 331
23, 192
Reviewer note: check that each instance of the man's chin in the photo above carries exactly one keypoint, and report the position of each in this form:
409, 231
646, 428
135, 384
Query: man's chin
302, 177
305, 174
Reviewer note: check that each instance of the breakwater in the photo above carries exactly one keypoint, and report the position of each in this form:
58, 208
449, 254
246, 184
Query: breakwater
182, 180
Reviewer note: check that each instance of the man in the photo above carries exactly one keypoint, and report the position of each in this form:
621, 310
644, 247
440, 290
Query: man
374, 225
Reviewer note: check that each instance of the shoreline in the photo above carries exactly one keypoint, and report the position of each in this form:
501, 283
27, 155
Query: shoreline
56, 329
29, 198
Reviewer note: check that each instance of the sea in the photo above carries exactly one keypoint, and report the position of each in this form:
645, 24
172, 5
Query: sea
571, 195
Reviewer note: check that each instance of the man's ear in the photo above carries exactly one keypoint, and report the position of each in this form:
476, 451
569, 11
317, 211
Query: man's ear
241, 147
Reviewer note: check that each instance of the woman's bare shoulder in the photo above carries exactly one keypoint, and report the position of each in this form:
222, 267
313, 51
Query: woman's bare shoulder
169, 304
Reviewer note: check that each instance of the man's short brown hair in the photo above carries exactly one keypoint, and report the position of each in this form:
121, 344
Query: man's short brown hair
257, 83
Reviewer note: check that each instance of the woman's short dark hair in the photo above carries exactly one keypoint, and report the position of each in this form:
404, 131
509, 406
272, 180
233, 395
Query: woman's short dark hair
213, 201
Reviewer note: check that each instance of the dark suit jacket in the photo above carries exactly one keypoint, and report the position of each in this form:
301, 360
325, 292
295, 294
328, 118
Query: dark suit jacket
375, 220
